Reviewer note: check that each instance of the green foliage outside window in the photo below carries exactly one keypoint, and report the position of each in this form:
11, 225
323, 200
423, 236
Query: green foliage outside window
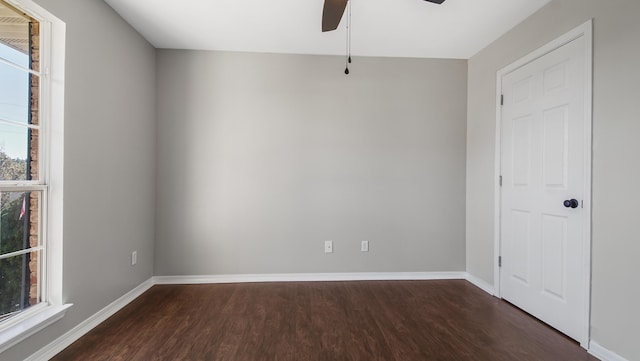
14, 271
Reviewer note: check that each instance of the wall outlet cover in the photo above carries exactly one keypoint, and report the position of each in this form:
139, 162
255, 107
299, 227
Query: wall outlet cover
364, 246
328, 246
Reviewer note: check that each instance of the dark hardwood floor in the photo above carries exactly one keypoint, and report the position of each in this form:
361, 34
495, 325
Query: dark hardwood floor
390, 320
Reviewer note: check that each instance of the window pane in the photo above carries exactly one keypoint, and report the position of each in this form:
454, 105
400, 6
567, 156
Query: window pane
15, 28
19, 283
14, 90
19, 221
14, 152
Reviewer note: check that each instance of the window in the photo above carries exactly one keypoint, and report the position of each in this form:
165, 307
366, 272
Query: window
30, 213
22, 187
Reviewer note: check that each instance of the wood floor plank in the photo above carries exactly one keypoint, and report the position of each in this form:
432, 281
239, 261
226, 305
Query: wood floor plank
322, 321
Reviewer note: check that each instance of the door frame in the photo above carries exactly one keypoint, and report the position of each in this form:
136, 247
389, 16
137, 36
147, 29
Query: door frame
585, 30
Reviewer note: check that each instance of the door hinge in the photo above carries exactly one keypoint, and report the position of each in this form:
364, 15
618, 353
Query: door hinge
499, 261
501, 99
500, 181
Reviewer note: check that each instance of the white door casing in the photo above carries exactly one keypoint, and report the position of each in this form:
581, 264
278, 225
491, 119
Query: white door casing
544, 158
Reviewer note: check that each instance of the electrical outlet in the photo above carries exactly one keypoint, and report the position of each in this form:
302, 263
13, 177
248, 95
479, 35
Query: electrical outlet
134, 258
364, 246
328, 246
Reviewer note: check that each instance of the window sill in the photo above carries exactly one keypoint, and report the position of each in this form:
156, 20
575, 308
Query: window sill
18, 332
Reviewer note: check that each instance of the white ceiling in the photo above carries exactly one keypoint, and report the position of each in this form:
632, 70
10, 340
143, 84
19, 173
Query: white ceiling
396, 28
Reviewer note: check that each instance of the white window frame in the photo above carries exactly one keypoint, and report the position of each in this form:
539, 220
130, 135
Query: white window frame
51, 115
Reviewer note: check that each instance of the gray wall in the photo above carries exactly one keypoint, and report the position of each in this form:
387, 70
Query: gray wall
109, 163
615, 241
262, 157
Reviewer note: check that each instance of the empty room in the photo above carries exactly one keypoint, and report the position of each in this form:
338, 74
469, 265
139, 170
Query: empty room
319, 180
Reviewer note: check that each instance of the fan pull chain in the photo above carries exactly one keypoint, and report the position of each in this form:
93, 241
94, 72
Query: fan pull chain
348, 51
350, 26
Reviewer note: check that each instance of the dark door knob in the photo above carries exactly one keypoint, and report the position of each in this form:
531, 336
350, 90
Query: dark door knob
571, 203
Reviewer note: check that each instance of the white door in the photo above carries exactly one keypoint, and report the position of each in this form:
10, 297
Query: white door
542, 165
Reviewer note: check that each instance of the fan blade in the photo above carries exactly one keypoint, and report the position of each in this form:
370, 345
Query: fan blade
435, 1
332, 13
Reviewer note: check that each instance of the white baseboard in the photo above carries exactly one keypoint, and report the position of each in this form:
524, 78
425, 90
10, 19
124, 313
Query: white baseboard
308, 277
602, 353
62, 342
87, 325
488, 288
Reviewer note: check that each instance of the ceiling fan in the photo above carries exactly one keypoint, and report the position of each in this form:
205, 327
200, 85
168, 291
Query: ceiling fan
333, 10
